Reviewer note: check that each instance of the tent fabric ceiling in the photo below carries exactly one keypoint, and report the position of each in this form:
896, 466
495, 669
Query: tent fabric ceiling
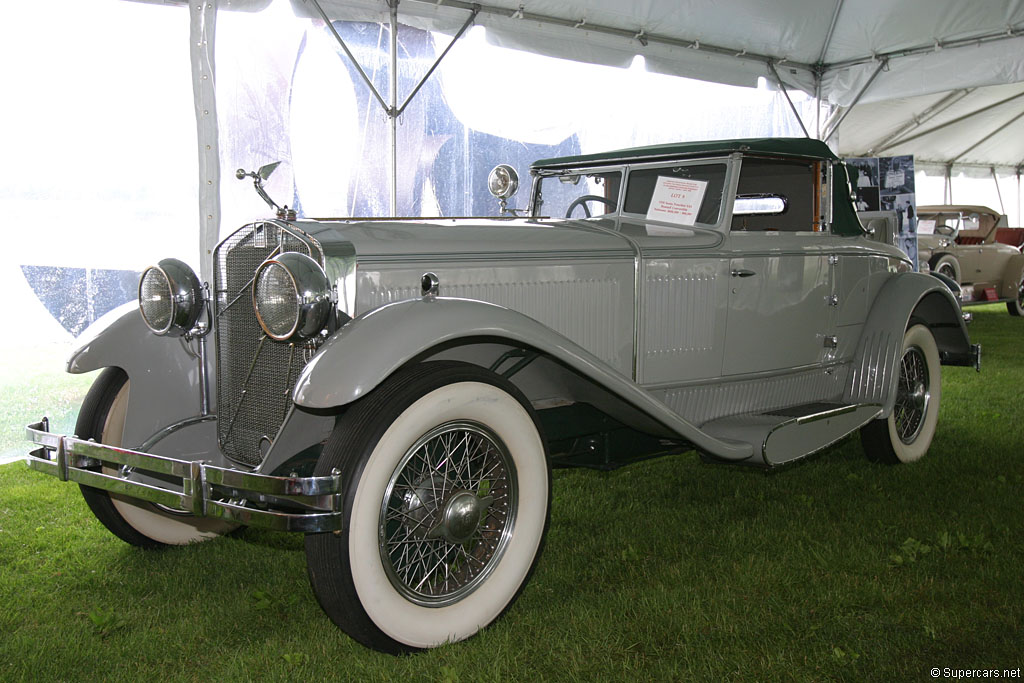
927, 46
980, 127
886, 61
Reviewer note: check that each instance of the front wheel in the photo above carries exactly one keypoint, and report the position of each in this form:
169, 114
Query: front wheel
446, 503
907, 433
139, 523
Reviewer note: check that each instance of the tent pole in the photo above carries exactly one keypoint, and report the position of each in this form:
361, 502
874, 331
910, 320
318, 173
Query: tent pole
393, 109
947, 188
995, 179
785, 92
202, 30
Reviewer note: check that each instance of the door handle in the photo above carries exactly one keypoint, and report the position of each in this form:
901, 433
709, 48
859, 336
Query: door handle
743, 272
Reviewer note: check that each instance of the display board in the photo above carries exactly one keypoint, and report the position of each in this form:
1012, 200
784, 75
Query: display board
887, 184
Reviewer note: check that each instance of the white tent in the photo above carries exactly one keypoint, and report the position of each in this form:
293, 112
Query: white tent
939, 79
843, 52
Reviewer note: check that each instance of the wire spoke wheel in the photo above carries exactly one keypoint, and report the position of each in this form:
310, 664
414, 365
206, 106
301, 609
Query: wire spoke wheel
447, 499
912, 395
447, 513
906, 433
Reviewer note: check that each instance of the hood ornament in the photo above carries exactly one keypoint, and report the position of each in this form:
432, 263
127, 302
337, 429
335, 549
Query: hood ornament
258, 177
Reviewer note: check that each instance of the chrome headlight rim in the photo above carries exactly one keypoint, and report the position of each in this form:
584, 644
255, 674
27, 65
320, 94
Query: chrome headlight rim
310, 290
185, 297
503, 181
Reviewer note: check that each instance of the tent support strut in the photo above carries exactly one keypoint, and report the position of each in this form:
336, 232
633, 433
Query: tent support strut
988, 137
771, 66
961, 118
860, 94
919, 120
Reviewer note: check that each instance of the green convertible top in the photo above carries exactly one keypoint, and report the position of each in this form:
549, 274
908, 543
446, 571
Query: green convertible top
845, 221
791, 147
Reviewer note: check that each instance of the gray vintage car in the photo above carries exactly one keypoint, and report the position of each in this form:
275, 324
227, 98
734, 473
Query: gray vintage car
960, 242
398, 390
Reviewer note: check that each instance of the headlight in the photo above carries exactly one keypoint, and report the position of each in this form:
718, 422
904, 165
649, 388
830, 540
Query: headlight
292, 296
503, 181
170, 298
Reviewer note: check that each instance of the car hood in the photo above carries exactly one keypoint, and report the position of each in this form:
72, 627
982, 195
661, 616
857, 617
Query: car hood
427, 238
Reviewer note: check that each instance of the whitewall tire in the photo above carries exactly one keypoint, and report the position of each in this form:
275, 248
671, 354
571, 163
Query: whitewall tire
447, 497
905, 435
102, 418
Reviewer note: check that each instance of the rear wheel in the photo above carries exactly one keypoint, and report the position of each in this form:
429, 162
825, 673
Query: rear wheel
446, 506
102, 418
1016, 306
907, 433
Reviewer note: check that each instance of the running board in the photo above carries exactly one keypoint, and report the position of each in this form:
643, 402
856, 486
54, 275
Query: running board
787, 434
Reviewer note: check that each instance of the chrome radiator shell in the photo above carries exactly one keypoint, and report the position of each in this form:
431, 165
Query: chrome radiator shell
255, 374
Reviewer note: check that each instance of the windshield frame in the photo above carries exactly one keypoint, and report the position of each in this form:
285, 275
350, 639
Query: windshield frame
539, 175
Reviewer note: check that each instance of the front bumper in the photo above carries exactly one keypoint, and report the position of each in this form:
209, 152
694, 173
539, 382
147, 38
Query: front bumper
304, 504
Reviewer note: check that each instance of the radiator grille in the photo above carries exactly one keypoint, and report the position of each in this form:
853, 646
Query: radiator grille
255, 374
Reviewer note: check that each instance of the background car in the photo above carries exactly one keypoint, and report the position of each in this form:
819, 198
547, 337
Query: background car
960, 241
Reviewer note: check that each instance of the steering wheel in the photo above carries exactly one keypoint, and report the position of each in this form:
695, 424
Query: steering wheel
582, 201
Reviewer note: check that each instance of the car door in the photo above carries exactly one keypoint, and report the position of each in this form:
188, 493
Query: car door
780, 311
672, 213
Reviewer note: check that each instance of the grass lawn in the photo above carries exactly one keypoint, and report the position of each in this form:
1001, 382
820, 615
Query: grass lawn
666, 570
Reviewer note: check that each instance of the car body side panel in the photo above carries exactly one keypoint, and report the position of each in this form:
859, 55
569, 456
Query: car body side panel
779, 285
589, 301
164, 375
370, 348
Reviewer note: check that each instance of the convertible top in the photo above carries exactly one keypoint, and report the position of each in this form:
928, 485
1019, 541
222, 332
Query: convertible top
790, 147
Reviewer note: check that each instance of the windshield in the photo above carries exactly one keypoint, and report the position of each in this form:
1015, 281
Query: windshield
578, 194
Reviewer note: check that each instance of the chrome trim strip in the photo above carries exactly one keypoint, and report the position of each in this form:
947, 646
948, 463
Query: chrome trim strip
206, 490
746, 377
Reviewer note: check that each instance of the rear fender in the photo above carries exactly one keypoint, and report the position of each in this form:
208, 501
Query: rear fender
164, 371
372, 347
904, 298
1012, 274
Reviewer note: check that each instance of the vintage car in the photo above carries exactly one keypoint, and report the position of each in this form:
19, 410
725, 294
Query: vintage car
960, 242
399, 390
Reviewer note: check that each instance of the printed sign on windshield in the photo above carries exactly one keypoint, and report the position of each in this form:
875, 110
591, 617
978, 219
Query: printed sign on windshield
676, 200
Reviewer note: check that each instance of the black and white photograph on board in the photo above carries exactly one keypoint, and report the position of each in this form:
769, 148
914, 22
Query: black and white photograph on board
896, 174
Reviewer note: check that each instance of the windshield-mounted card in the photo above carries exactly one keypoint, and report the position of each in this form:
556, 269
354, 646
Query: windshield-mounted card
676, 200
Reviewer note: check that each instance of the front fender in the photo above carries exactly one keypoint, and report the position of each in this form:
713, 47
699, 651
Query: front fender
163, 371
372, 347
905, 296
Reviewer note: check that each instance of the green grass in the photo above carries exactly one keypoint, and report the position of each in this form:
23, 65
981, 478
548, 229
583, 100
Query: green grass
34, 384
835, 569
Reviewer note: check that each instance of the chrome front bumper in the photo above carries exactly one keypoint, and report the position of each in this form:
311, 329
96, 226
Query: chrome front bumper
305, 504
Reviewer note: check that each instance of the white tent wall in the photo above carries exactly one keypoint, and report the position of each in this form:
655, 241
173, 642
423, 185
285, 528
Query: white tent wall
324, 121
108, 159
